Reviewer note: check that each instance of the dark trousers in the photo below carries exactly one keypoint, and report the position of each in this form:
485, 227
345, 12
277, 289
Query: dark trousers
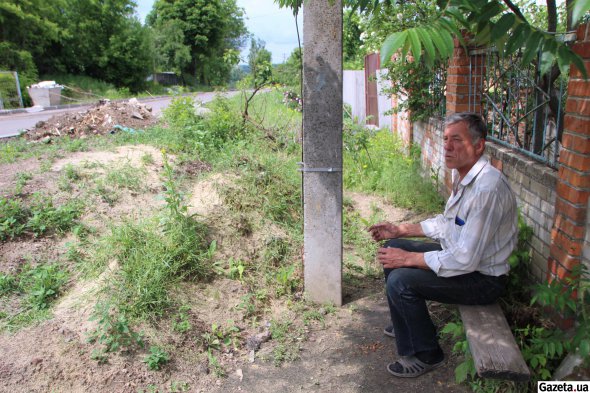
409, 288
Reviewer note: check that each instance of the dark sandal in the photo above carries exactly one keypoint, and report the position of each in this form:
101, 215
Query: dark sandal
412, 367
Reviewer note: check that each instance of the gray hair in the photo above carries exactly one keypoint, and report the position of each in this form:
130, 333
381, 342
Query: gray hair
475, 124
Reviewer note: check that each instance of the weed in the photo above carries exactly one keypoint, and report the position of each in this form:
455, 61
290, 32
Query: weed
113, 332
179, 386
45, 217
313, 315
247, 304
397, 176
108, 194
147, 159
13, 218
75, 144
8, 284
43, 284
285, 353
286, 282
125, 176
157, 358
41, 217
21, 179
214, 365
181, 323
235, 269
71, 173
220, 336
287, 347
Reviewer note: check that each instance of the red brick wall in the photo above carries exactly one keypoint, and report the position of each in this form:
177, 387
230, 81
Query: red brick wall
573, 185
460, 97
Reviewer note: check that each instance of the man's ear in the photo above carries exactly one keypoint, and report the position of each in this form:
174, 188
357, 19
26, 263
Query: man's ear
480, 146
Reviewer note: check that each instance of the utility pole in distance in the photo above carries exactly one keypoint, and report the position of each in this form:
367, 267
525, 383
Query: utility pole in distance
322, 150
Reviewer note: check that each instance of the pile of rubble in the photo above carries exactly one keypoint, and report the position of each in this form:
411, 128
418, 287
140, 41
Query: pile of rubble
104, 118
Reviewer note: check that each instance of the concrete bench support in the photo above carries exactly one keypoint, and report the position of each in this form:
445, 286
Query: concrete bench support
494, 350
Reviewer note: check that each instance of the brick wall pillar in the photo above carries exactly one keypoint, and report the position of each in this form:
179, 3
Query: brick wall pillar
464, 81
573, 184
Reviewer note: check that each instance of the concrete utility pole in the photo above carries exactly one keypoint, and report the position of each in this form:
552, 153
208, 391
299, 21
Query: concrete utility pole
322, 150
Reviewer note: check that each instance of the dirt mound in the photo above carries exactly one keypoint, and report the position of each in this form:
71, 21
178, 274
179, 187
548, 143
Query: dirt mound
103, 118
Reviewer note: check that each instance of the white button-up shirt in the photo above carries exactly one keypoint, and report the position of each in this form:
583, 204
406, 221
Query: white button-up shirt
479, 227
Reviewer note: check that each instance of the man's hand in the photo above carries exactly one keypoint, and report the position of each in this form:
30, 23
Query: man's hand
384, 230
393, 258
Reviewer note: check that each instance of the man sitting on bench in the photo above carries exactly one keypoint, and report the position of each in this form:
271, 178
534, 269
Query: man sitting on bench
466, 263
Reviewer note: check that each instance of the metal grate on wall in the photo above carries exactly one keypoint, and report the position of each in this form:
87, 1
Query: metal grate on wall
523, 109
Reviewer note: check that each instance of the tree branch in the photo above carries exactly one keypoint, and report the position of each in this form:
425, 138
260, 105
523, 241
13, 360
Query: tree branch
515, 9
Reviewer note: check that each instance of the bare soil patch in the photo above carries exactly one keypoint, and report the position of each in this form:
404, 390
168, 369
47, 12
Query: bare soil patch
345, 351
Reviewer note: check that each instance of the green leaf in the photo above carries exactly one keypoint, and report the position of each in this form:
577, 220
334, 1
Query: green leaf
461, 372
501, 28
391, 45
579, 8
490, 10
579, 63
517, 38
429, 52
547, 61
440, 44
585, 348
416, 45
532, 47
483, 36
448, 40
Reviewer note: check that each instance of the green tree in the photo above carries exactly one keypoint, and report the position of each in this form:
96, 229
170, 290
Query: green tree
170, 51
259, 58
102, 39
289, 73
352, 44
31, 25
210, 28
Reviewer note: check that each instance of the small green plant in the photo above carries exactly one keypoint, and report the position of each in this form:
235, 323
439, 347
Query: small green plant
107, 193
147, 159
235, 269
220, 336
43, 284
21, 179
157, 358
125, 176
13, 218
214, 365
286, 282
313, 315
179, 386
113, 332
8, 284
288, 341
45, 217
247, 304
181, 323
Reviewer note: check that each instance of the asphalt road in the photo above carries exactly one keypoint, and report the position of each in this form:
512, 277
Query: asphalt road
11, 124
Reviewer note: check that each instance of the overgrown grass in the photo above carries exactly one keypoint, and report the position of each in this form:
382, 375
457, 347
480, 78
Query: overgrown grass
37, 217
145, 260
378, 163
34, 289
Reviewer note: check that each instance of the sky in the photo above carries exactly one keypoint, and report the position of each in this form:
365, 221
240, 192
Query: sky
264, 19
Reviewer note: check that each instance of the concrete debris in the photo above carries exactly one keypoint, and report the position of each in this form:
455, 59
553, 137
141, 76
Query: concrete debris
97, 120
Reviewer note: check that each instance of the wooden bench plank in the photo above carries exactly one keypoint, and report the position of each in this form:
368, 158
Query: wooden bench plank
492, 345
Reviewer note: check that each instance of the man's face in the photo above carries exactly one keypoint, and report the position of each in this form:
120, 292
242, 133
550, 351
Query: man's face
460, 152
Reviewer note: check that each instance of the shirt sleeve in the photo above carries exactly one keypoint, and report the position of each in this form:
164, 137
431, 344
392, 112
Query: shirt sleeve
433, 227
463, 246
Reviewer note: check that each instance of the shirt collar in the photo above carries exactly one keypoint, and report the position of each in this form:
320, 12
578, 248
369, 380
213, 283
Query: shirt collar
474, 171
